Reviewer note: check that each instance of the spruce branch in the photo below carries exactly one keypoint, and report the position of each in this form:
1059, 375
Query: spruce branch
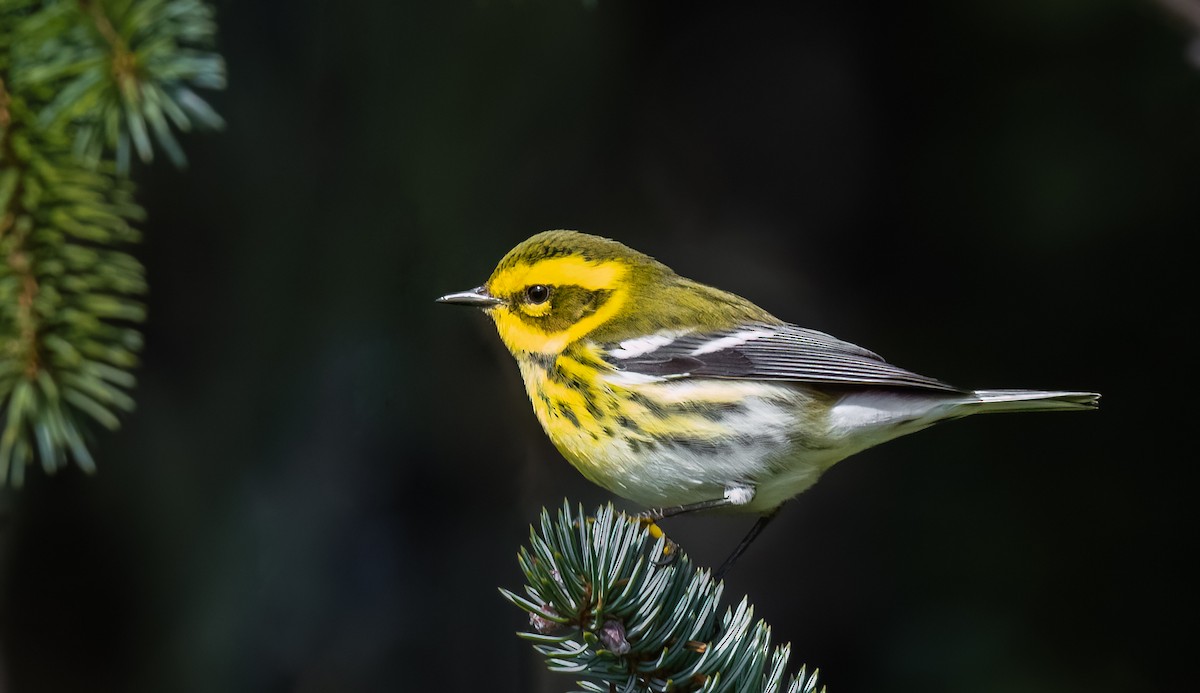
604, 609
120, 74
67, 298
82, 81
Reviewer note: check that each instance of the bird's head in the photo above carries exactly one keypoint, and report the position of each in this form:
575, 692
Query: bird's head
562, 286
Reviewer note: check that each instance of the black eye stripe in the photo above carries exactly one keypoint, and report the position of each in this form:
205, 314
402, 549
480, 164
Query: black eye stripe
571, 304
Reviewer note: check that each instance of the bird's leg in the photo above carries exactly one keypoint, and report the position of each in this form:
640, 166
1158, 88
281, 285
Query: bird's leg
734, 495
745, 543
654, 514
650, 518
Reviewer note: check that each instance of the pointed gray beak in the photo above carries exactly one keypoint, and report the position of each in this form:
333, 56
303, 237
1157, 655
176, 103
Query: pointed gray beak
478, 297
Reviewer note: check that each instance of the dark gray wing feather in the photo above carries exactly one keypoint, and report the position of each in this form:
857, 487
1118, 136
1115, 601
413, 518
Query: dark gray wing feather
771, 352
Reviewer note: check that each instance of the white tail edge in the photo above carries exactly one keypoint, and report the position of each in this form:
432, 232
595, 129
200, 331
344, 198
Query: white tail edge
1036, 400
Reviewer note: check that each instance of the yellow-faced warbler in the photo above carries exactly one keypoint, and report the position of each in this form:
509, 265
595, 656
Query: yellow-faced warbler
683, 397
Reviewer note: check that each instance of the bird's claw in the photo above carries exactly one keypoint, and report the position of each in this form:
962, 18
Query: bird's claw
670, 551
670, 554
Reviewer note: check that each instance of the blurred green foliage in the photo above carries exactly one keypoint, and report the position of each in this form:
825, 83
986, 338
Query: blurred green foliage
114, 73
103, 73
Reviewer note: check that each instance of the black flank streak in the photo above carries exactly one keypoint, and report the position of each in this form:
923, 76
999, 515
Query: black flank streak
592, 407
578, 384
651, 406
546, 361
628, 423
706, 447
711, 411
717, 410
557, 374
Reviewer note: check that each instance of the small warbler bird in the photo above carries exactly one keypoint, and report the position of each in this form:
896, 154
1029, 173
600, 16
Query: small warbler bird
681, 397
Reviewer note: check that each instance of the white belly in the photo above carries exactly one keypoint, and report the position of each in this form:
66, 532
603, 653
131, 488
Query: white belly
675, 454
777, 438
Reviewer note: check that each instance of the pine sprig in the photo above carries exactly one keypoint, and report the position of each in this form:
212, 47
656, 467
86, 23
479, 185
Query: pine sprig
603, 609
67, 299
82, 82
121, 75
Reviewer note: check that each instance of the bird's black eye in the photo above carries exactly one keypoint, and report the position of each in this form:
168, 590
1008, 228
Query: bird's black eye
538, 293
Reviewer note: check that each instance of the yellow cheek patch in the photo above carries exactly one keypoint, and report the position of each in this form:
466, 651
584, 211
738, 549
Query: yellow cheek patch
518, 335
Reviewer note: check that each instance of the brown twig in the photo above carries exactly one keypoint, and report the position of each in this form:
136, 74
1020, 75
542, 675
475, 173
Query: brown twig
5, 118
103, 24
124, 61
25, 345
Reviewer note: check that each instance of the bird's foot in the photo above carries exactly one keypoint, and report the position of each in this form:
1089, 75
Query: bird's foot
670, 551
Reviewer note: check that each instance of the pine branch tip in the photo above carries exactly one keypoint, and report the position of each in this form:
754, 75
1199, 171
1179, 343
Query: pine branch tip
600, 606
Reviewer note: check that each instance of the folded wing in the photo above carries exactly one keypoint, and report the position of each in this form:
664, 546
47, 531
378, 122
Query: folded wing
764, 352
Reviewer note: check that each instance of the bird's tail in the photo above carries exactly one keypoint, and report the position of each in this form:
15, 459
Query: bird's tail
1035, 400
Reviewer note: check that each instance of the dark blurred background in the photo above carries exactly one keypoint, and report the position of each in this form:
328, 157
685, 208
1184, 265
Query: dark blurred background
328, 475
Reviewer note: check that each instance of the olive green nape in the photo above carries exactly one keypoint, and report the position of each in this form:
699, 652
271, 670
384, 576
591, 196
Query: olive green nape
679, 304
